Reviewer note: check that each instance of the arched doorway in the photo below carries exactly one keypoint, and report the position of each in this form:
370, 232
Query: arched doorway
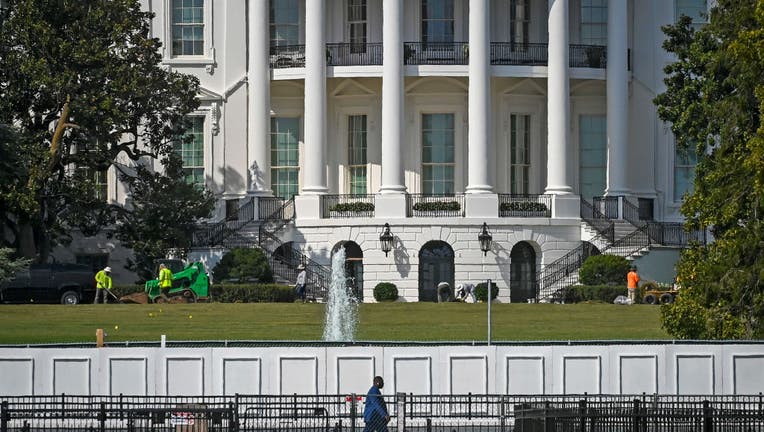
287, 255
436, 264
522, 273
353, 266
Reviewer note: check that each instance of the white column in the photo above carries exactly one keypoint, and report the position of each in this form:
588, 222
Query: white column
259, 99
314, 178
617, 99
558, 101
392, 97
479, 98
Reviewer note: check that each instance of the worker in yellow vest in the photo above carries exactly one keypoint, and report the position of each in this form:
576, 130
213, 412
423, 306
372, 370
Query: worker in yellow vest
103, 282
165, 279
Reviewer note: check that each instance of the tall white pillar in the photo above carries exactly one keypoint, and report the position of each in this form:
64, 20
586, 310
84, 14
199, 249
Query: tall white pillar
479, 98
392, 97
314, 179
617, 99
558, 101
259, 99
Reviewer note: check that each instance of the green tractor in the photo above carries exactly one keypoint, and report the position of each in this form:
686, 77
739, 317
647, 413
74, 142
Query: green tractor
190, 284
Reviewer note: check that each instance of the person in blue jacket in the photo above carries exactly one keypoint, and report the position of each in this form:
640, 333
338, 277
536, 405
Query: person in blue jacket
375, 412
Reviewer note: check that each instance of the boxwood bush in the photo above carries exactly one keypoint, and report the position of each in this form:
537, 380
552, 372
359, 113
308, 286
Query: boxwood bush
244, 264
604, 293
523, 206
604, 270
352, 207
385, 291
252, 293
438, 206
481, 291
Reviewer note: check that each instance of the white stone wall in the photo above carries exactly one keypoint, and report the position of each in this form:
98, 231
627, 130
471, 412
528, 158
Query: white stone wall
683, 369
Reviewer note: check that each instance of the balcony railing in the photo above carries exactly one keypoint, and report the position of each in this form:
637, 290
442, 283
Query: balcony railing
422, 205
525, 205
347, 206
288, 56
513, 54
441, 53
436, 53
353, 54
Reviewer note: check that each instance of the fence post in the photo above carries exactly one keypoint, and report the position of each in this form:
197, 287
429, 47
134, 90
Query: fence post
353, 411
582, 414
102, 417
502, 414
233, 418
4, 416
635, 418
400, 412
708, 419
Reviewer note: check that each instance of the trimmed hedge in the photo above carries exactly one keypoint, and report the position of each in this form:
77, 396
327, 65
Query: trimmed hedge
352, 207
604, 270
385, 291
252, 293
604, 293
438, 206
481, 291
523, 206
244, 264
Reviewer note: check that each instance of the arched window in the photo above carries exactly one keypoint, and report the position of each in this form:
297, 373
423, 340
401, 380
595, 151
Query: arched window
436, 265
522, 273
353, 266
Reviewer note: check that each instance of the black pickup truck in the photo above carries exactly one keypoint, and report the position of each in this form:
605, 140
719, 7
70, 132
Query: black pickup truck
50, 283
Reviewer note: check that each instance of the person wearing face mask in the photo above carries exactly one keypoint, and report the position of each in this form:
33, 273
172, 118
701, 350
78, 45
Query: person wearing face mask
375, 412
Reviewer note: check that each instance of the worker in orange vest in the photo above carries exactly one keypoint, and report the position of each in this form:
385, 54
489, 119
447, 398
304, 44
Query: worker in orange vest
632, 281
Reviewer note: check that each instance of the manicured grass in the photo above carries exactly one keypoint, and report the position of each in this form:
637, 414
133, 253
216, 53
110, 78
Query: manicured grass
279, 321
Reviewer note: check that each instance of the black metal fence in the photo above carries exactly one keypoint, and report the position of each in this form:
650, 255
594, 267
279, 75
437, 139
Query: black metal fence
516, 54
535, 413
353, 54
347, 206
436, 53
525, 205
287, 56
425, 205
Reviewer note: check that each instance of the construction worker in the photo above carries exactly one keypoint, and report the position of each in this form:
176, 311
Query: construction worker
632, 283
165, 279
103, 282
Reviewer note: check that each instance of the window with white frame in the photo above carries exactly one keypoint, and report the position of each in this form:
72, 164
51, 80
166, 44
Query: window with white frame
357, 25
187, 27
695, 9
285, 22
437, 21
285, 156
191, 151
357, 154
685, 160
438, 154
519, 22
594, 22
592, 142
98, 179
520, 150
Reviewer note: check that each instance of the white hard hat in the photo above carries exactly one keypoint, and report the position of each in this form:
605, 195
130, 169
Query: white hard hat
107, 269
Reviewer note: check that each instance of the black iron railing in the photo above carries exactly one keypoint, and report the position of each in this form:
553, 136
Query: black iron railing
215, 234
588, 56
517, 54
674, 234
268, 206
470, 412
287, 56
525, 205
607, 206
353, 54
424, 205
435, 53
347, 206
597, 219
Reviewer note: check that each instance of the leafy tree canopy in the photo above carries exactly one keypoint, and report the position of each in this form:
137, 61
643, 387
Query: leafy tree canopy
714, 101
82, 91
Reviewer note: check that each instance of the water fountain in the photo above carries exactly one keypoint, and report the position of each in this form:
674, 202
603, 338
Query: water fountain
341, 308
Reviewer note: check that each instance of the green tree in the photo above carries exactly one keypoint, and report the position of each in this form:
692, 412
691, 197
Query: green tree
244, 264
9, 265
82, 91
714, 101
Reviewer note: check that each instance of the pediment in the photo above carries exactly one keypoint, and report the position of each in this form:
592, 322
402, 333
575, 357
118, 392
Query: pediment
589, 88
529, 87
205, 94
438, 85
287, 89
351, 87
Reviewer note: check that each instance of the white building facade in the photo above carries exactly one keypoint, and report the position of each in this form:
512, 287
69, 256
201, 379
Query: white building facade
435, 117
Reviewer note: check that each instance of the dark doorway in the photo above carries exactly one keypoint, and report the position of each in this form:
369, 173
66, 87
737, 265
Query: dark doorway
436, 264
522, 273
353, 267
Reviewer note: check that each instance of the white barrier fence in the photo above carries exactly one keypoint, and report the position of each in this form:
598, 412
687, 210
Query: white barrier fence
519, 369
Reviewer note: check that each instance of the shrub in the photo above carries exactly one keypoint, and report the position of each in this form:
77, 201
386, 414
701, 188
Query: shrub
605, 293
244, 264
523, 206
352, 207
481, 291
604, 270
438, 206
252, 293
385, 291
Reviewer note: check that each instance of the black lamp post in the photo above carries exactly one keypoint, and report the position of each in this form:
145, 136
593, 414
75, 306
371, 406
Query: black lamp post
485, 238
386, 239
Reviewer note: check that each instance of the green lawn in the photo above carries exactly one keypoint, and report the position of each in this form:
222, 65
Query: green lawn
279, 321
